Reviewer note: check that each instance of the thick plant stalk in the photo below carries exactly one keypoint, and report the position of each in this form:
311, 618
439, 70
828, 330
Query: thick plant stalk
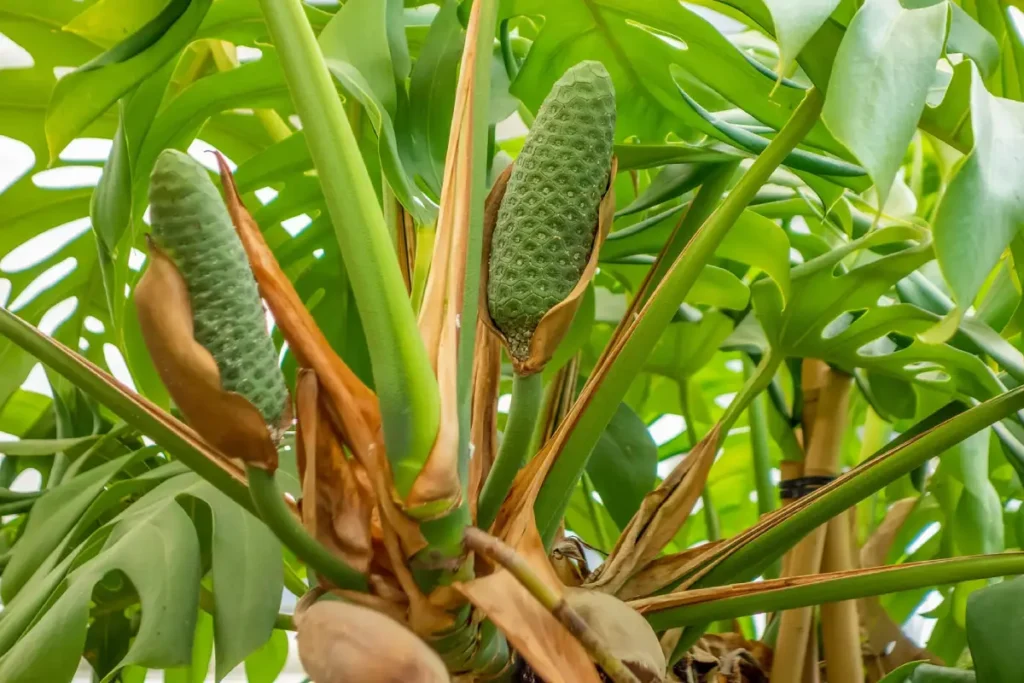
286, 526
569, 451
501, 554
527, 393
738, 600
822, 459
758, 418
402, 373
840, 624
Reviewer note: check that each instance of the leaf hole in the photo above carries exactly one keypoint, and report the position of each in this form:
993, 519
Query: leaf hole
37, 249
841, 323
58, 315
13, 56
118, 368
933, 376
67, 177
883, 346
18, 159
921, 365
87, 149
47, 279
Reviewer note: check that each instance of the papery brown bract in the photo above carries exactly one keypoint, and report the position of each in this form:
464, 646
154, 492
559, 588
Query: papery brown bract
626, 634
343, 643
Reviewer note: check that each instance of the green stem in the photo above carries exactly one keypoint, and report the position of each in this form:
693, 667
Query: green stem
588, 492
710, 515
704, 203
656, 315
758, 417
9, 496
776, 597
711, 522
293, 582
279, 517
15, 507
403, 378
527, 393
508, 57
132, 408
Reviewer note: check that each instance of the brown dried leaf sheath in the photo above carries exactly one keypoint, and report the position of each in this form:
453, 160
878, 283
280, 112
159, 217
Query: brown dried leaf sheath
336, 505
225, 419
437, 488
555, 323
484, 420
662, 512
306, 341
663, 571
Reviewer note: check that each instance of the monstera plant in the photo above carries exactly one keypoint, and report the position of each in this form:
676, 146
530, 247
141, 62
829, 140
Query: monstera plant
509, 340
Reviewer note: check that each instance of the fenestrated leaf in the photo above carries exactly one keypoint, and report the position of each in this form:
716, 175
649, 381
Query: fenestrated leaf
276, 163
880, 80
256, 84
995, 631
248, 577
107, 641
753, 240
834, 314
624, 465
983, 206
628, 37
53, 516
82, 96
247, 580
714, 286
156, 548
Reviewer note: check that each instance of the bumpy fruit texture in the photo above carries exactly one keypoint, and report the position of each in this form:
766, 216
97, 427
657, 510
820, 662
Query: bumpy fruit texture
547, 220
191, 224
